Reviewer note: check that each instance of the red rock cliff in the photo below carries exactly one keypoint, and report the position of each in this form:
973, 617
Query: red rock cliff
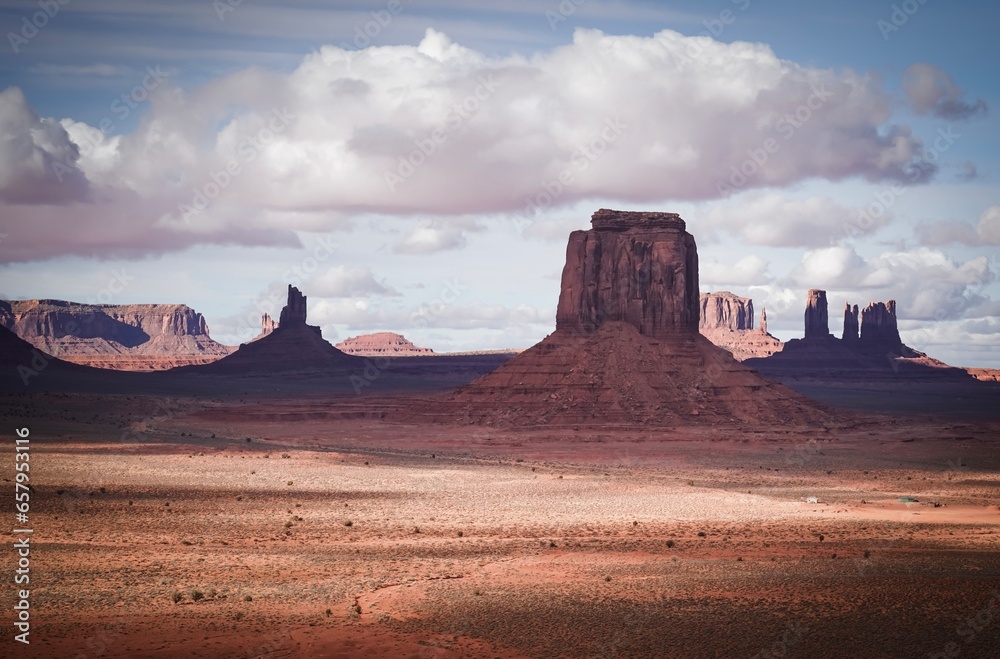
634, 267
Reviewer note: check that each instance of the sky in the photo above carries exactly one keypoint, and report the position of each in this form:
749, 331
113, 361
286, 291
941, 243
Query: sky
417, 166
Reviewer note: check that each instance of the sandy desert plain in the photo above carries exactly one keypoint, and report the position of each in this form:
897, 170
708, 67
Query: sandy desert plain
270, 524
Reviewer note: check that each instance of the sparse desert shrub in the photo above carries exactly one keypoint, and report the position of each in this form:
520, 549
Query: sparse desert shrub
607, 578
211, 593
197, 594
670, 544
691, 483
868, 554
186, 543
288, 525
290, 482
460, 534
247, 598
285, 456
176, 596
822, 537
477, 592
329, 613
348, 523
701, 534
552, 543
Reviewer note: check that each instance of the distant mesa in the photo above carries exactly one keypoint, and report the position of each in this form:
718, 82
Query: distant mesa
132, 337
381, 344
626, 349
292, 348
869, 347
727, 321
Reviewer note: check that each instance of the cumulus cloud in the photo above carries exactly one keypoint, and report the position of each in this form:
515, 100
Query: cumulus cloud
777, 221
747, 271
348, 281
443, 130
362, 315
985, 232
932, 91
926, 283
38, 160
431, 236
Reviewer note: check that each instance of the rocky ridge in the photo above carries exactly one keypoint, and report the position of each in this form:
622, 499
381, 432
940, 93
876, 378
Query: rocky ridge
141, 337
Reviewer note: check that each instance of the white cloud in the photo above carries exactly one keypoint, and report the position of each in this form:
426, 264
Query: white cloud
747, 271
926, 283
431, 236
359, 315
465, 132
985, 232
775, 220
38, 161
347, 281
932, 91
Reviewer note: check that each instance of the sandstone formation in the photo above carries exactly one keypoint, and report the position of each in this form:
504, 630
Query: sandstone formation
875, 352
878, 328
626, 349
267, 325
637, 268
725, 310
851, 327
817, 317
381, 344
139, 337
727, 321
294, 311
292, 348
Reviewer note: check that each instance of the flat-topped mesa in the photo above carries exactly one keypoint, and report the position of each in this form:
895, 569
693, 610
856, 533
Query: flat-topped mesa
878, 327
610, 220
725, 310
850, 334
632, 267
294, 311
817, 317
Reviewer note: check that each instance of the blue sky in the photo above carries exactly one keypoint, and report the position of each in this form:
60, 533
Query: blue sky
185, 89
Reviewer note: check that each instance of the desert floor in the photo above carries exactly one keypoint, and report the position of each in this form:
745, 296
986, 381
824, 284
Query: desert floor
309, 533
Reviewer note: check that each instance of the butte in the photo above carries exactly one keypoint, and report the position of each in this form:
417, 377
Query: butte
626, 349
